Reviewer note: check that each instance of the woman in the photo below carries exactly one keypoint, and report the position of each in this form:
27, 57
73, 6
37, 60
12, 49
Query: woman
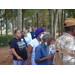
27, 38
33, 44
42, 54
18, 48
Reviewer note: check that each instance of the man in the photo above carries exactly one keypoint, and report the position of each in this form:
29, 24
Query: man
28, 32
33, 33
42, 55
67, 42
33, 44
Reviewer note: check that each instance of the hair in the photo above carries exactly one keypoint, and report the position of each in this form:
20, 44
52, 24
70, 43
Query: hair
25, 31
68, 29
46, 36
27, 28
16, 31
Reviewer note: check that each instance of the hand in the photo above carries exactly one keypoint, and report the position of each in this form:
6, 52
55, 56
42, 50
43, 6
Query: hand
50, 57
19, 58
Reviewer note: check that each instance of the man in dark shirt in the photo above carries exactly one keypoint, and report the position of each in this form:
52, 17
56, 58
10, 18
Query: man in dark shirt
33, 33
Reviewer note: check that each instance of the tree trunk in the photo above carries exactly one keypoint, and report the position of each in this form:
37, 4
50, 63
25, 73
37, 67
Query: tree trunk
37, 20
43, 19
13, 23
59, 24
64, 15
51, 21
32, 21
6, 22
22, 19
19, 19
55, 23
26, 22
1, 27
62, 22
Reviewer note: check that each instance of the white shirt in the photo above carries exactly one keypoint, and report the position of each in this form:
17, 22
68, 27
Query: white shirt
34, 43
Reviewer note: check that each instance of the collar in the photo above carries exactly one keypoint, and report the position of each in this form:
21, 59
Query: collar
68, 35
43, 45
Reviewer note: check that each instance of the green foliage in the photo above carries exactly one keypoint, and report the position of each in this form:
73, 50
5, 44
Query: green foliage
4, 40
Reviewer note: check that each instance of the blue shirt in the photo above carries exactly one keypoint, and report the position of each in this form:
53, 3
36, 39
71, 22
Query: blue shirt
41, 52
28, 40
33, 35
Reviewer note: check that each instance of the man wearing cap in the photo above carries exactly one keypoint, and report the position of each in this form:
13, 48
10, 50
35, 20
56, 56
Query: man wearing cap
67, 42
33, 44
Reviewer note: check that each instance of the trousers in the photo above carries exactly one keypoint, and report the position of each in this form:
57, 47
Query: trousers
19, 62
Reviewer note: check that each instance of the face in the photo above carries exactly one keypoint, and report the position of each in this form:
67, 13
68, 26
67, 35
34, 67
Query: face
40, 34
18, 34
28, 30
49, 41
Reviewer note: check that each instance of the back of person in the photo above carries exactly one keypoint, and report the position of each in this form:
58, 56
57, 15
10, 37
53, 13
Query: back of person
34, 43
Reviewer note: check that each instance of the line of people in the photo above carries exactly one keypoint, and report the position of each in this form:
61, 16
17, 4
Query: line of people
24, 46
36, 50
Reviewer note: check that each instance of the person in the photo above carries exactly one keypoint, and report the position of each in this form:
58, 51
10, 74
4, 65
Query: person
28, 32
42, 55
27, 38
33, 44
66, 42
33, 33
18, 48
22, 34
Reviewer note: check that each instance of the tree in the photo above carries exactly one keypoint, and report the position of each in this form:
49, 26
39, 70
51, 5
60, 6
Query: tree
6, 17
55, 23
51, 21
19, 19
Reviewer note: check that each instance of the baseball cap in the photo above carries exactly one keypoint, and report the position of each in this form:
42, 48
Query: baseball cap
69, 22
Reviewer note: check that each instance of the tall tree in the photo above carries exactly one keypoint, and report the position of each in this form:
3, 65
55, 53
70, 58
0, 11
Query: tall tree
51, 21
37, 19
62, 22
19, 19
55, 23
6, 17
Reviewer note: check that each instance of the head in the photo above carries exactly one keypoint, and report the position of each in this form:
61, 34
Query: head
22, 34
17, 33
69, 26
46, 39
25, 33
28, 29
39, 32
33, 29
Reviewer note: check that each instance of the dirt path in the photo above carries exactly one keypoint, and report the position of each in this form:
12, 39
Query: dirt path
5, 58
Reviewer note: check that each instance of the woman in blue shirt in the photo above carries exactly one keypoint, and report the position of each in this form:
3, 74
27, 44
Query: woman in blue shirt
42, 55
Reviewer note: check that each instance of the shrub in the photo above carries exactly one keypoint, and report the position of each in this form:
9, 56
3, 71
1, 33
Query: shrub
4, 40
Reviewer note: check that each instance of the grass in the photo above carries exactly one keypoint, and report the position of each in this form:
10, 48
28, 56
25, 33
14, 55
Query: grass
5, 34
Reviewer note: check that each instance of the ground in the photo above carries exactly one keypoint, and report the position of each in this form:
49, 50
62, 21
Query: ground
5, 58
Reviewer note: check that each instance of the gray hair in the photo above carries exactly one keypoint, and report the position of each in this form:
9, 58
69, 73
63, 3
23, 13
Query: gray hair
46, 36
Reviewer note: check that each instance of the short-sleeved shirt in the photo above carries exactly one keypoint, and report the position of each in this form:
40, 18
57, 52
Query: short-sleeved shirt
20, 47
28, 40
29, 35
33, 35
34, 43
41, 52
66, 42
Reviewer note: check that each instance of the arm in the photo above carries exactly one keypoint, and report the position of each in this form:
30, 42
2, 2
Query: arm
38, 56
14, 52
43, 59
29, 53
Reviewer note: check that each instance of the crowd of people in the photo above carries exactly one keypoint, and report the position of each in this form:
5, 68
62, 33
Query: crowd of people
33, 48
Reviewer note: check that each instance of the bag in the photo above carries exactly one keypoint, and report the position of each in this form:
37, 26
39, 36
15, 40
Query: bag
58, 59
10, 52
